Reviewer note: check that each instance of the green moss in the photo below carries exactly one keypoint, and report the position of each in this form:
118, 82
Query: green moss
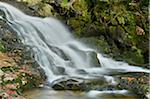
132, 58
2, 48
45, 9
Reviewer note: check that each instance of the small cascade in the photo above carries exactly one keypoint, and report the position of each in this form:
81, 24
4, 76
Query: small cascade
56, 50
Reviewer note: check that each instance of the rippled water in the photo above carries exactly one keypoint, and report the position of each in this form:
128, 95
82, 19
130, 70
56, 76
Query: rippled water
93, 94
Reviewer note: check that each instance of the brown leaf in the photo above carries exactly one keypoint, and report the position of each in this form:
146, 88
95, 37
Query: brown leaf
11, 86
6, 61
128, 78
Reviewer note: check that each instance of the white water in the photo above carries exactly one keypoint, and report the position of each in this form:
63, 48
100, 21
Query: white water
55, 47
95, 93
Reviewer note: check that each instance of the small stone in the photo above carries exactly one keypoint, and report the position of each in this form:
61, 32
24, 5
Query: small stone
139, 31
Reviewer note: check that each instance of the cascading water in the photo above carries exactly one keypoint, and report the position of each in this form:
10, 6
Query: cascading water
50, 41
56, 50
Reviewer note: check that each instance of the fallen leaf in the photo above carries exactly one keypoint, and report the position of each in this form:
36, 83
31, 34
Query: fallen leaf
6, 61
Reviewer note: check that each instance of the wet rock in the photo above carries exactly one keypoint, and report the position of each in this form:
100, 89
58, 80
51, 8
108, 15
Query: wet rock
94, 60
58, 87
81, 84
59, 52
59, 70
81, 71
69, 84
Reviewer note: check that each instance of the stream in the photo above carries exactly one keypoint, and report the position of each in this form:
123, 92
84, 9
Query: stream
51, 94
63, 58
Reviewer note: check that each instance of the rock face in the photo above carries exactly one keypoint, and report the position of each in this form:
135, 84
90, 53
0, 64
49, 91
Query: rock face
18, 69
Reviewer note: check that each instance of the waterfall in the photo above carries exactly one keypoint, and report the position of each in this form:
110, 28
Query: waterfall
56, 50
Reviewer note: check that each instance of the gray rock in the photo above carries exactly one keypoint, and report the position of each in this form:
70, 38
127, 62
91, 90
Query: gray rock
67, 83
